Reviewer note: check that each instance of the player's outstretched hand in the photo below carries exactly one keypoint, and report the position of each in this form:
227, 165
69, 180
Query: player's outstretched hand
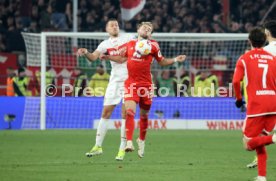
180, 58
82, 51
239, 103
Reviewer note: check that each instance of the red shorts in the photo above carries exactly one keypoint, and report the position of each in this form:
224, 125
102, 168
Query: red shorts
141, 95
254, 126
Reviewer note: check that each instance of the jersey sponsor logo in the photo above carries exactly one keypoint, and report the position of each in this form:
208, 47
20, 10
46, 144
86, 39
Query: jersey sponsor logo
114, 52
265, 92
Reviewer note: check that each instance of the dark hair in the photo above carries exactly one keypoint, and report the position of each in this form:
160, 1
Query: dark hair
271, 27
257, 37
111, 19
21, 70
100, 66
146, 23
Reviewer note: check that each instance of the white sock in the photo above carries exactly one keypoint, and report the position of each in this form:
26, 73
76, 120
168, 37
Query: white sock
123, 134
101, 131
262, 178
274, 138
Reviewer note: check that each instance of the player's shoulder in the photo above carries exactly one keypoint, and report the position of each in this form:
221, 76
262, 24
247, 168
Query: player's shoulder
271, 48
154, 43
132, 41
256, 53
245, 56
104, 43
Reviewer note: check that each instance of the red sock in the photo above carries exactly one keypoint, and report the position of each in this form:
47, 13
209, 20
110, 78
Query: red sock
129, 124
143, 127
259, 141
262, 157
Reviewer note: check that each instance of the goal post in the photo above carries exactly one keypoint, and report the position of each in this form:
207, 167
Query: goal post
205, 51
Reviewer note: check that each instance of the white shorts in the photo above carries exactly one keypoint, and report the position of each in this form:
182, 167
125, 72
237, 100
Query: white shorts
114, 93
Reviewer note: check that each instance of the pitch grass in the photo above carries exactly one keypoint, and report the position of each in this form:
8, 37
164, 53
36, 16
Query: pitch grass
170, 155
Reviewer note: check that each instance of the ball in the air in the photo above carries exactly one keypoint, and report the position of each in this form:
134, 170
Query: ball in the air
143, 47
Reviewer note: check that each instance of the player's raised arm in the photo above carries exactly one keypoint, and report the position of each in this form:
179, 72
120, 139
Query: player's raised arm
170, 61
90, 56
161, 59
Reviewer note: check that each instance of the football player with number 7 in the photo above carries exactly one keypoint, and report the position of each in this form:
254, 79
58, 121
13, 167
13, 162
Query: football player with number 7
270, 31
258, 67
138, 86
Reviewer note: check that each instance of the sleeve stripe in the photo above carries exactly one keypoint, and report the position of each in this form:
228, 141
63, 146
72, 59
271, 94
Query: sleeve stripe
245, 72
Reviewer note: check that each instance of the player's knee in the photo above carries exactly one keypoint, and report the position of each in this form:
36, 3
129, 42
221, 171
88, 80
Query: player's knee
144, 116
245, 145
130, 112
123, 114
106, 113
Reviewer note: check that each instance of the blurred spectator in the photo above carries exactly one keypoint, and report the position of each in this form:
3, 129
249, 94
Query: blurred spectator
45, 21
21, 83
165, 85
167, 16
205, 84
10, 75
182, 83
99, 82
33, 27
25, 13
50, 82
58, 16
80, 83
2, 44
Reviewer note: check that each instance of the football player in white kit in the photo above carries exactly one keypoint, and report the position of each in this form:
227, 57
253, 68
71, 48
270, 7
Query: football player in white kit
270, 31
114, 92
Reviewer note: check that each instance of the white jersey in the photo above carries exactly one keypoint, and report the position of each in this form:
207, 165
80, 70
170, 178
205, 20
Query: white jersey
271, 48
110, 47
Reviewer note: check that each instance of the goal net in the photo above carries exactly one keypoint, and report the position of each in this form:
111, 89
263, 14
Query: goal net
51, 57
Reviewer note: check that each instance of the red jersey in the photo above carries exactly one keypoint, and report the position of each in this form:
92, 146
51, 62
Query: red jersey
139, 69
259, 69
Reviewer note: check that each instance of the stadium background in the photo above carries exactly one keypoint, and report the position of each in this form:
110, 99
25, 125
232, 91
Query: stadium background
216, 57
194, 155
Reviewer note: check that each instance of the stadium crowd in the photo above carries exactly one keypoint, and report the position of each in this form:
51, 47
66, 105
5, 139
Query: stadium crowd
167, 16
189, 16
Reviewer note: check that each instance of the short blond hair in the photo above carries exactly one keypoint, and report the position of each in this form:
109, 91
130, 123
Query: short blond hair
145, 23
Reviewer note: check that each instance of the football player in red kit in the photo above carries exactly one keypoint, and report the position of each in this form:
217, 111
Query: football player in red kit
139, 86
258, 67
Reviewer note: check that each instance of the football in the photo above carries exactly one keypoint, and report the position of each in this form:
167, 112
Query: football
143, 47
